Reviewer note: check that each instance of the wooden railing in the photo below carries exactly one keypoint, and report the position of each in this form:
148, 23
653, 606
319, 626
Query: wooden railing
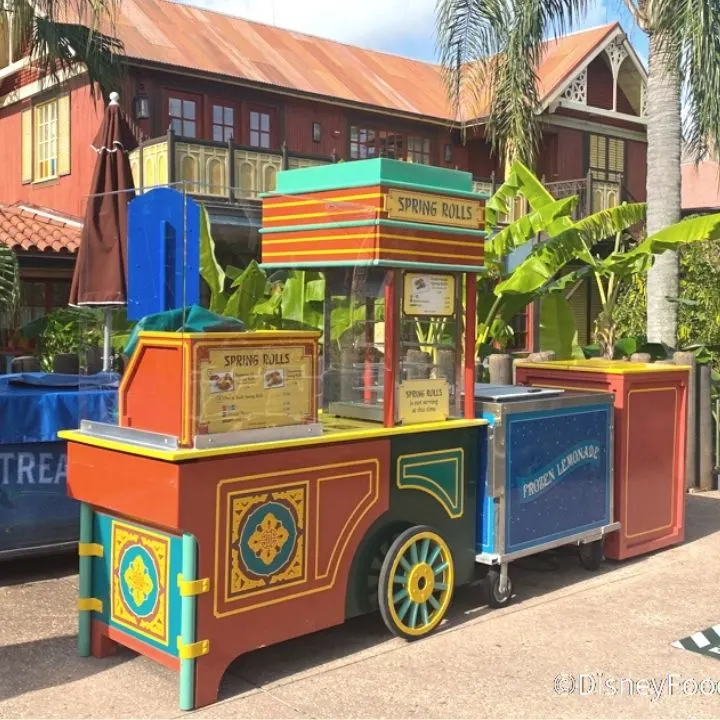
594, 195
223, 171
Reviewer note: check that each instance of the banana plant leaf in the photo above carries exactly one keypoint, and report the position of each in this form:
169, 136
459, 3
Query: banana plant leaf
547, 219
210, 269
557, 326
520, 180
640, 258
248, 291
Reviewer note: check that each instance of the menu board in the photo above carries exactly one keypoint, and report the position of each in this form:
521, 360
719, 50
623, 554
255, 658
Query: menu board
427, 294
422, 401
242, 388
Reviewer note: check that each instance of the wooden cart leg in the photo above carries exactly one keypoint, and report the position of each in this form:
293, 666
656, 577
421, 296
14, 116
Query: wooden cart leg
209, 673
101, 645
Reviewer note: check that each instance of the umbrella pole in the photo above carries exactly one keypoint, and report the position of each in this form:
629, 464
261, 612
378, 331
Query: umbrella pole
107, 330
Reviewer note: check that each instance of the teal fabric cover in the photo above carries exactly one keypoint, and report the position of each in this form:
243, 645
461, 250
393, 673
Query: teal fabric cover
192, 319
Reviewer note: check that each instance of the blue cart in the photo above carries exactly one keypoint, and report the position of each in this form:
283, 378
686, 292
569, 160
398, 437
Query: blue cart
547, 480
36, 514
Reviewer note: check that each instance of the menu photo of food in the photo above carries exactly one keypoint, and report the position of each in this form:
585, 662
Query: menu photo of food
274, 378
221, 382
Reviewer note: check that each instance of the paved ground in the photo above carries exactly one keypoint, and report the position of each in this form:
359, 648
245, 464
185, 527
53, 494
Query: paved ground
564, 621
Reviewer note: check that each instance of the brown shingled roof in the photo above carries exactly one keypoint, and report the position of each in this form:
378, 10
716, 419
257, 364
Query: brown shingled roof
177, 35
24, 228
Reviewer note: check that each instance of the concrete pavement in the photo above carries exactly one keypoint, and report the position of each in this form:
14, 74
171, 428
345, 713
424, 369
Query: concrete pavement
601, 632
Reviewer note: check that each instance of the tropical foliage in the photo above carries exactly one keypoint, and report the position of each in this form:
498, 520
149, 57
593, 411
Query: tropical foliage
564, 241
628, 261
61, 34
491, 50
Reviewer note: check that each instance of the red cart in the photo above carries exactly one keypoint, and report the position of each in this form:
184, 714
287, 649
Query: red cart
650, 437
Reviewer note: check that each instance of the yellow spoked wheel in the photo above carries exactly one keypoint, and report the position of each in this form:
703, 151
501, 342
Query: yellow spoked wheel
416, 583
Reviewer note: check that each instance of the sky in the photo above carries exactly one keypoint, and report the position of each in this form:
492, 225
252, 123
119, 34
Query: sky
402, 27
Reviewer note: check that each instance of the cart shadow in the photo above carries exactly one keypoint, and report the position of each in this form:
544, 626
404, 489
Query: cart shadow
364, 637
46, 663
23, 570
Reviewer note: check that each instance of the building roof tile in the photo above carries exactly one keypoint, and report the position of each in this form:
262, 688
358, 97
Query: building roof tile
33, 229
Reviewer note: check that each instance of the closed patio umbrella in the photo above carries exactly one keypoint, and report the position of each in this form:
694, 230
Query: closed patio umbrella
100, 277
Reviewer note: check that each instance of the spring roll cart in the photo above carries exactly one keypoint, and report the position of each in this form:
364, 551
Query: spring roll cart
255, 490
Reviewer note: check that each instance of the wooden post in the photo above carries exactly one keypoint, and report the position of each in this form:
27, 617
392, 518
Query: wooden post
691, 451
704, 426
500, 369
284, 150
231, 169
171, 158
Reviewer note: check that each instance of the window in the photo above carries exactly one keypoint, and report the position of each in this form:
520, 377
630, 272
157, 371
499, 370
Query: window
607, 158
183, 116
259, 129
45, 140
45, 131
418, 150
223, 123
362, 143
368, 142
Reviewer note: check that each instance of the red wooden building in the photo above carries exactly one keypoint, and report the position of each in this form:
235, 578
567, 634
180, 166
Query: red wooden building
222, 104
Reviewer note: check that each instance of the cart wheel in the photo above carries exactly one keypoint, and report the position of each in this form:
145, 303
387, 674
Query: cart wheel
497, 599
591, 554
416, 583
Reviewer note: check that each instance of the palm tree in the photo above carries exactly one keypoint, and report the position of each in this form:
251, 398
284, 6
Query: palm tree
58, 35
495, 46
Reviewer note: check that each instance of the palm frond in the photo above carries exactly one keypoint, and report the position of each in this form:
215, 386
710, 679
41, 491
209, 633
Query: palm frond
689, 32
490, 51
59, 35
9, 280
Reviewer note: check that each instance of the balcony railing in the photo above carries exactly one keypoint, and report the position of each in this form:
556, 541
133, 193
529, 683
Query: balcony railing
594, 195
222, 171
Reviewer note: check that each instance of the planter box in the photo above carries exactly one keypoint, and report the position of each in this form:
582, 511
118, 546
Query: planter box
650, 439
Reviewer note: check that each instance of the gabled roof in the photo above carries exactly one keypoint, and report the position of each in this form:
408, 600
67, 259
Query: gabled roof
198, 40
32, 229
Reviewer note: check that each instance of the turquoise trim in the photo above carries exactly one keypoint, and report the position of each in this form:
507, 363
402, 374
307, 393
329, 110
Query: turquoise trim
376, 171
390, 264
427, 227
187, 622
85, 584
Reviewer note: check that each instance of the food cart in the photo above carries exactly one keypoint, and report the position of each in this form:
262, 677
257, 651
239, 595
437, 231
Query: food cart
256, 488
261, 485
548, 477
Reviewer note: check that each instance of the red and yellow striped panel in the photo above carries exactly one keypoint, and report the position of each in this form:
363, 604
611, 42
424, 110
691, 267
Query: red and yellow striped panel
347, 205
372, 243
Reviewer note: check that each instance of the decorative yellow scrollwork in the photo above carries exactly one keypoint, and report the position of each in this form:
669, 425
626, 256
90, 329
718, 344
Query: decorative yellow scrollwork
138, 580
268, 539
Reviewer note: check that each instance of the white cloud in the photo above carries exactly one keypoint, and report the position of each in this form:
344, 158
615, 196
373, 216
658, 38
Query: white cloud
407, 25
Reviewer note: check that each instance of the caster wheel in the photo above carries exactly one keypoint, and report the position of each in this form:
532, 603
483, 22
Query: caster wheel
497, 599
591, 554
416, 583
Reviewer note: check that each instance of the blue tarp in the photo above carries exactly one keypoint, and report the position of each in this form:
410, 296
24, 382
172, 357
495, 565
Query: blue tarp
34, 407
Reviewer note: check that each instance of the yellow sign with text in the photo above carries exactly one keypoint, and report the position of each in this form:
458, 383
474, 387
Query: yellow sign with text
435, 209
427, 294
259, 387
423, 401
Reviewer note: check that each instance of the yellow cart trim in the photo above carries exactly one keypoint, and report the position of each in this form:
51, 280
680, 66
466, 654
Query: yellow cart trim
193, 650
183, 455
90, 550
606, 367
188, 588
90, 605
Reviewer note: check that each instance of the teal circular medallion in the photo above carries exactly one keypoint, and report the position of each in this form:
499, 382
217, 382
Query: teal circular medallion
139, 581
268, 539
